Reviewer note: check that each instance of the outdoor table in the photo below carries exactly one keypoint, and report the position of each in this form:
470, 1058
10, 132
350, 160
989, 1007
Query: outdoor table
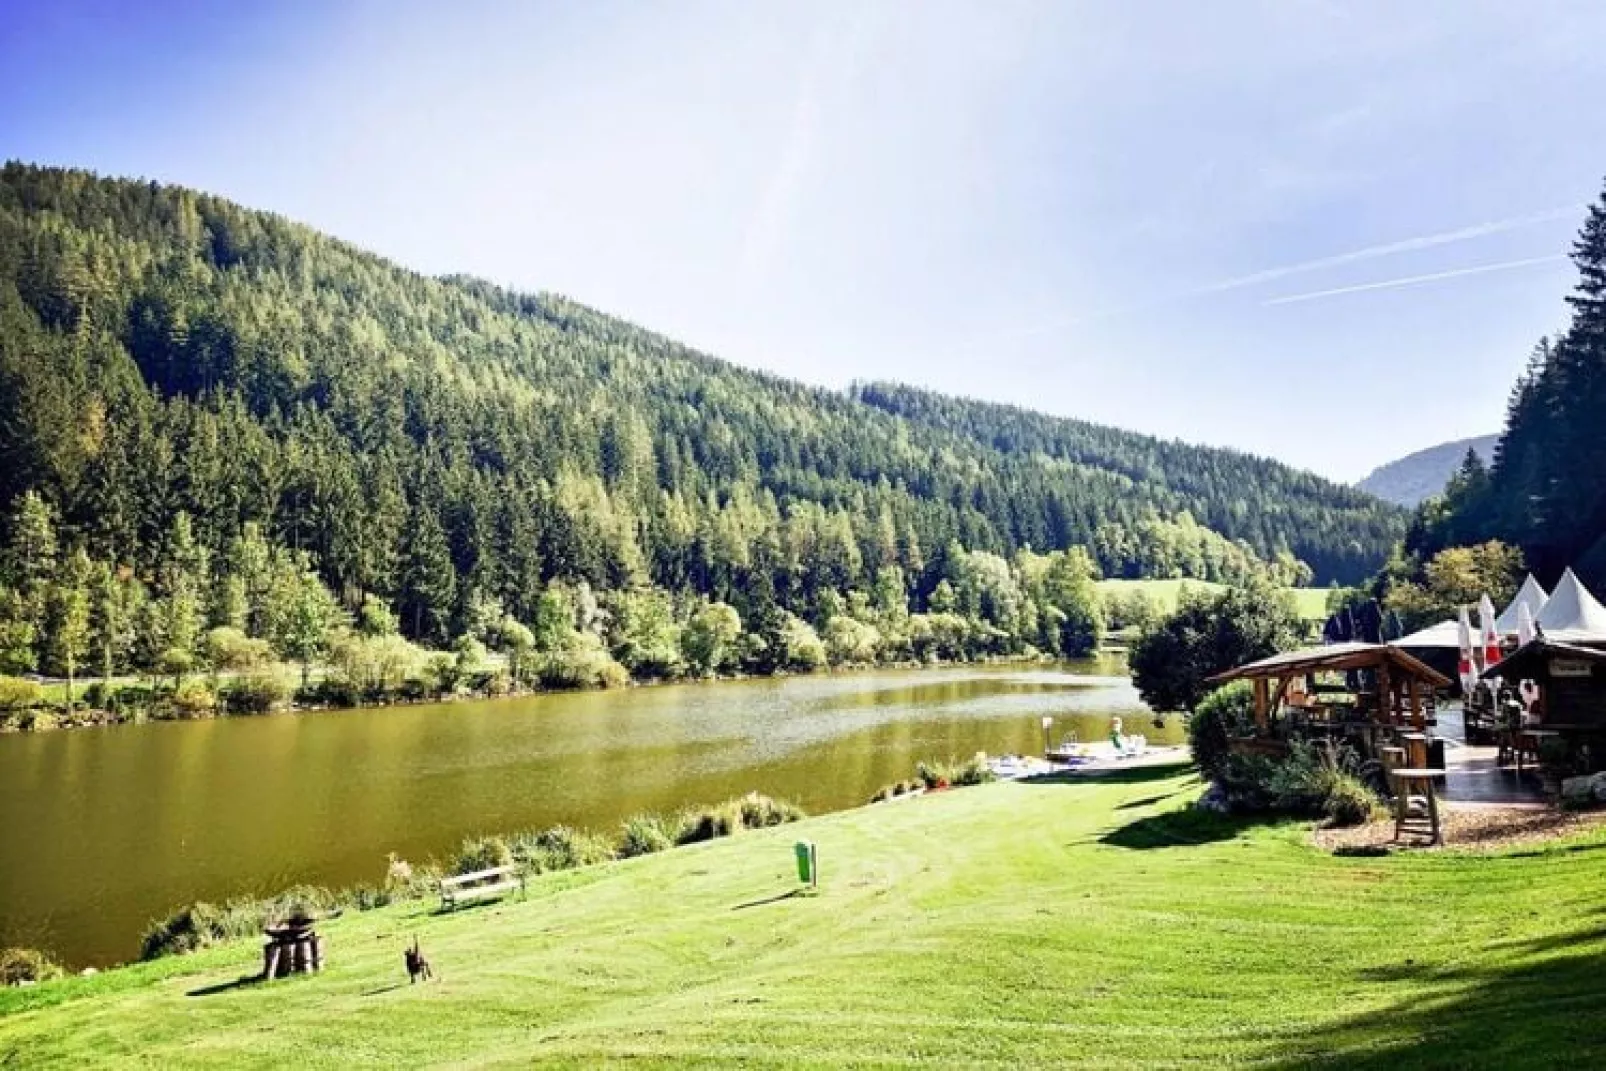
1419, 779
1533, 736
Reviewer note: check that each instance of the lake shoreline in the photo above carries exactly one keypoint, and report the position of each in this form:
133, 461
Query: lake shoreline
99, 718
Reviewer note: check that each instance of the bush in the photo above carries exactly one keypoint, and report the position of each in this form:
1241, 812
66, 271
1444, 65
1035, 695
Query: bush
1313, 781
18, 694
185, 930
1349, 801
933, 774
481, 853
559, 848
130, 699
202, 924
721, 820
645, 834
974, 771
258, 693
760, 812
19, 965
584, 663
193, 699
1225, 713
752, 811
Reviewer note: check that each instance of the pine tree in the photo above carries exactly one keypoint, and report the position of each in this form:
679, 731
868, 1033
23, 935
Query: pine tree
429, 584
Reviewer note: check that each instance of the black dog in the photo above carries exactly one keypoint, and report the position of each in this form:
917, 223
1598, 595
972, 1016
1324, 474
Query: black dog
417, 965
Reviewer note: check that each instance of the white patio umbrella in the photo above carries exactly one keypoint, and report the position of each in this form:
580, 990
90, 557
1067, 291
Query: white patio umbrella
1491, 632
1466, 668
1526, 632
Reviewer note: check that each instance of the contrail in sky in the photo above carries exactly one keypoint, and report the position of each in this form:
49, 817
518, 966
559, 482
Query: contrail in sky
1354, 256
1406, 245
1415, 280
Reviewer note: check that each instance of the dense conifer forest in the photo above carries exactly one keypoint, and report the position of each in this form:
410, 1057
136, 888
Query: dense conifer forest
1545, 490
219, 428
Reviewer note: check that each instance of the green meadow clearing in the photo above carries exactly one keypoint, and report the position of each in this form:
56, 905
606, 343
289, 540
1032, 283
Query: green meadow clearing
1093, 923
1311, 603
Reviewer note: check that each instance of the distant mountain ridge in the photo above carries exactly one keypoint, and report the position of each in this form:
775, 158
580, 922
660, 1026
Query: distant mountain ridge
1417, 476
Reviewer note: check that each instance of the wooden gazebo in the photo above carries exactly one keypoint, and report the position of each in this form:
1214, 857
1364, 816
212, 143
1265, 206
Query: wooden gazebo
1393, 691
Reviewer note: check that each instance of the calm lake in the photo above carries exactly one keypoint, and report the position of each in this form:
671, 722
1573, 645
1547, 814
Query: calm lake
105, 829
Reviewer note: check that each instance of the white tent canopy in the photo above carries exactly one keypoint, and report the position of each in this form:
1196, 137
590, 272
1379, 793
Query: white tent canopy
1446, 635
1572, 615
1530, 593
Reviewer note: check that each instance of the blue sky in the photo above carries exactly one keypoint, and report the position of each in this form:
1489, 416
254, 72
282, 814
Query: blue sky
1327, 232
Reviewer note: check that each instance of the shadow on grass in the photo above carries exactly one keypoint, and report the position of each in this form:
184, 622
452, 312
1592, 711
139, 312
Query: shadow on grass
471, 907
385, 989
1116, 775
1538, 1009
245, 981
777, 898
1177, 829
1146, 801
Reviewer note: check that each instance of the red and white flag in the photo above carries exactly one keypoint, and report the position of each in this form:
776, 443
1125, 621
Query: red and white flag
1467, 668
1491, 633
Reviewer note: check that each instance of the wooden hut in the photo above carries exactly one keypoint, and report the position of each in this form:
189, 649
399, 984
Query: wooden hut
1387, 692
1572, 695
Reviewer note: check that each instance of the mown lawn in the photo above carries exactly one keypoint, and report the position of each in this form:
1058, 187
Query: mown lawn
1311, 603
1092, 923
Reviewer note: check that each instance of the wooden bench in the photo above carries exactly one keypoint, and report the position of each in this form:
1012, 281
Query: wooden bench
479, 885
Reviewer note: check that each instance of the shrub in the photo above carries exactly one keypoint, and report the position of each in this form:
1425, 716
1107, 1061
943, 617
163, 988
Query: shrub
481, 853
193, 699
257, 693
202, 924
19, 965
559, 848
1225, 713
710, 822
934, 774
1313, 781
304, 901
19, 694
1349, 801
130, 698
974, 771
583, 663
760, 812
645, 834
185, 930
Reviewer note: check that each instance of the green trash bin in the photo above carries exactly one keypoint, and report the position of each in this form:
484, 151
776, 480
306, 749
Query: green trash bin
808, 862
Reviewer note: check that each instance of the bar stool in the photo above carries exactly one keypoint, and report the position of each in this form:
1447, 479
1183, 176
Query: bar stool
1412, 781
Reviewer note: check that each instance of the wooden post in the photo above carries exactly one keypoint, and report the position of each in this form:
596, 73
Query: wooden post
1385, 694
1261, 727
270, 960
1416, 705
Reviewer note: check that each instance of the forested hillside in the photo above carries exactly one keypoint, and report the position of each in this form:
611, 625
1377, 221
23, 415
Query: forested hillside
1545, 491
196, 398
1272, 508
1420, 475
